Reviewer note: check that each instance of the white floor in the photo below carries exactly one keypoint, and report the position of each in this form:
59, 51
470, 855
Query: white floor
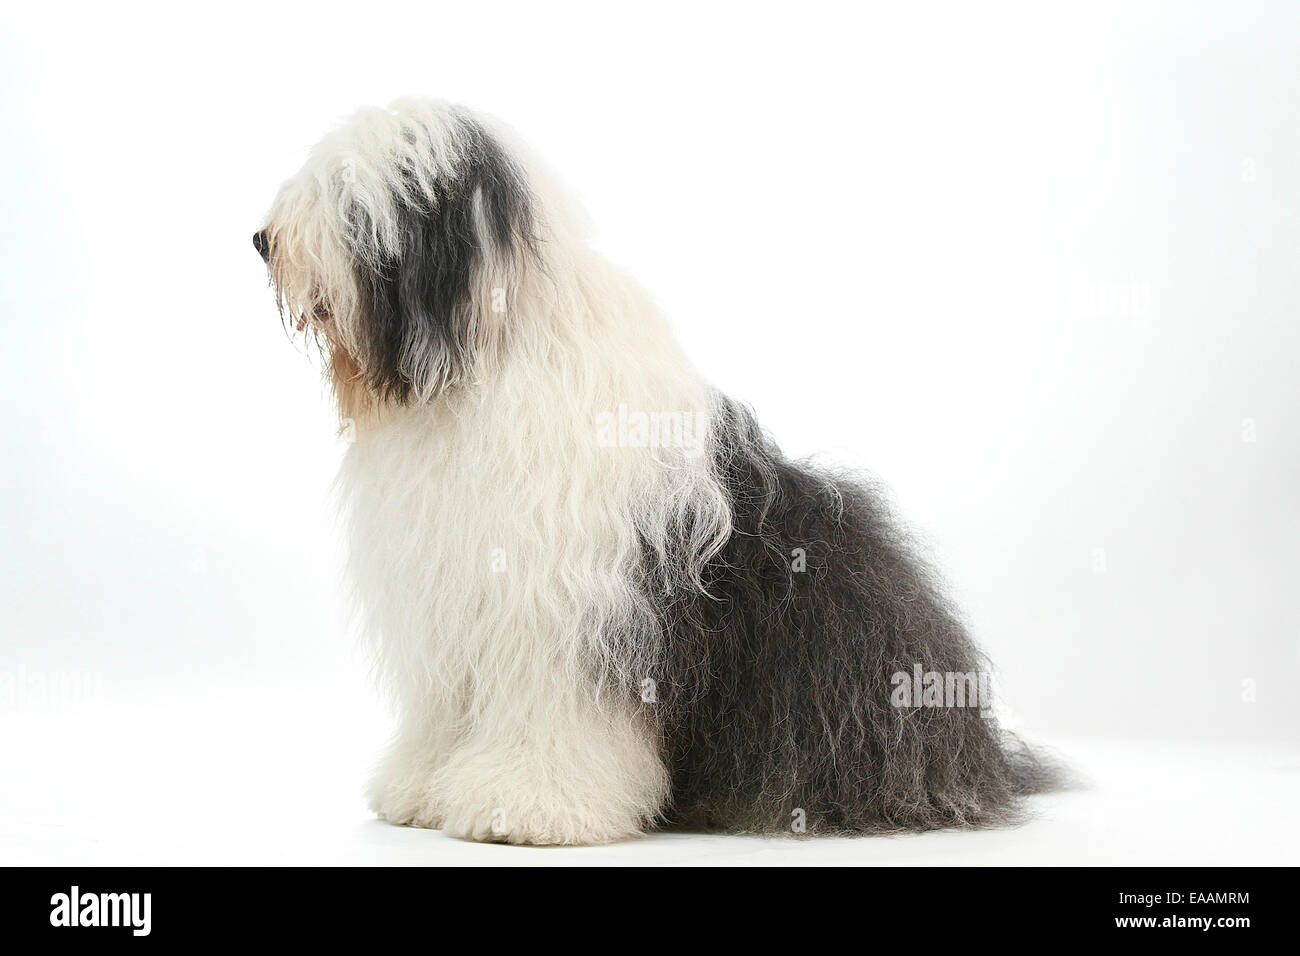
234, 775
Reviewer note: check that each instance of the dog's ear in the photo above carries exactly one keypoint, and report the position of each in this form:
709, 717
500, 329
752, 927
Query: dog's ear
433, 299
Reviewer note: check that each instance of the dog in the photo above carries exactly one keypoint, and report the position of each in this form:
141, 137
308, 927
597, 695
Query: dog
600, 597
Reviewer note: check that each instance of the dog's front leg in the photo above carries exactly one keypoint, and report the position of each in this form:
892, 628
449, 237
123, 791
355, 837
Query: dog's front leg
402, 789
579, 767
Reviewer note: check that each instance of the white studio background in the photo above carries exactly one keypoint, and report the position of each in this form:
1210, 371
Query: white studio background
1036, 268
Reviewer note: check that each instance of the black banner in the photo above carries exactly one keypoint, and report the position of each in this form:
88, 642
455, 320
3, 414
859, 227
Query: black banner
942, 906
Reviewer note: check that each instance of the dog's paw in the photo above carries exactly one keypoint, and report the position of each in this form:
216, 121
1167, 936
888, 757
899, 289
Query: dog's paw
406, 805
530, 824
402, 792
546, 803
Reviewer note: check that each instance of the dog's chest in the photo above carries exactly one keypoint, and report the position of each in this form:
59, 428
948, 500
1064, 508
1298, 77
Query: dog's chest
464, 525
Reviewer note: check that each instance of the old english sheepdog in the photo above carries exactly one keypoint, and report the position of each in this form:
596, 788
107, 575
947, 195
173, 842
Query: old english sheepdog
600, 597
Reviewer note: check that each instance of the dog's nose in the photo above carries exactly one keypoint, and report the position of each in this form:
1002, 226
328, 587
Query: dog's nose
261, 244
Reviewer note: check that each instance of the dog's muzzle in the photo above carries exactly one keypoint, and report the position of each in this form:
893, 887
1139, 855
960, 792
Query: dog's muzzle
262, 245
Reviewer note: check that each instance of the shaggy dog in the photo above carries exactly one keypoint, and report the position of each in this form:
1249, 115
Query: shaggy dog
599, 595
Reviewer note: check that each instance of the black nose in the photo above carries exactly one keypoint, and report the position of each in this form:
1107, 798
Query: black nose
262, 246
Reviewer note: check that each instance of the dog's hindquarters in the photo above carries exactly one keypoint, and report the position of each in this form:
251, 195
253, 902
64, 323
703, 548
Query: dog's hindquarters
782, 676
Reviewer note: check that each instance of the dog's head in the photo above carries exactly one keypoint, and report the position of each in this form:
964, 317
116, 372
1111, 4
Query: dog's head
398, 246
